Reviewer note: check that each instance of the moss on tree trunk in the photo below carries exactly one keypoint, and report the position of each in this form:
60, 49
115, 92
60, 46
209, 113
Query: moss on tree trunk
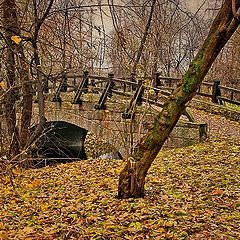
132, 177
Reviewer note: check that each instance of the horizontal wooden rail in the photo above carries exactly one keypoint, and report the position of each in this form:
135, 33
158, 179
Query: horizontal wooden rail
207, 84
204, 94
229, 100
229, 89
213, 90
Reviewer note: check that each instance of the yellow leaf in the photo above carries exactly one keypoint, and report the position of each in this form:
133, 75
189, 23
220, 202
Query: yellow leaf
2, 226
28, 230
16, 39
34, 184
2, 84
160, 230
117, 171
44, 206
3, 235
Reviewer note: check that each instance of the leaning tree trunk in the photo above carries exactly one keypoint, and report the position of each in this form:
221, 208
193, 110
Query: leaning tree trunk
132, 177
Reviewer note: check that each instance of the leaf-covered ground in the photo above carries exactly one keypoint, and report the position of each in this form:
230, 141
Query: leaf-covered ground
191, 193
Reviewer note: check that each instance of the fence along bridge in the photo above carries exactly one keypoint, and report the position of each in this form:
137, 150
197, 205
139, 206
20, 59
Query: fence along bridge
117, 110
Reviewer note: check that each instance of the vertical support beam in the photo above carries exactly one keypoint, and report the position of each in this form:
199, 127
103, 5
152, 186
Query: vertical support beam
86, 81
106, 93
82, 88
156, 83
124, 87
93, 86
136, 100
133, 79
199, 89
157, 80
57, 97
45, 86
216, 92
64, 83
74, 84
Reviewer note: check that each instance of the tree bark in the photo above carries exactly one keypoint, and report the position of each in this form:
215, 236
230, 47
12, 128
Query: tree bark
9, 20
27, 100
132, 177
14, 52
39, 85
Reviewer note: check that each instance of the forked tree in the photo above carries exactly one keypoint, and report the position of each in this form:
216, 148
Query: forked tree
132, 177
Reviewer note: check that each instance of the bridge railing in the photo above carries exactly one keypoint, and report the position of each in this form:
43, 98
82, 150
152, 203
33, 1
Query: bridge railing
216, 92
68, 81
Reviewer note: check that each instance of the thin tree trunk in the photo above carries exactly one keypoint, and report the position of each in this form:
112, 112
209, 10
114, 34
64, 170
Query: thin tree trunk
41, 103
144, 38
27, 100
15, 52
132, 177
9, 20
26, 115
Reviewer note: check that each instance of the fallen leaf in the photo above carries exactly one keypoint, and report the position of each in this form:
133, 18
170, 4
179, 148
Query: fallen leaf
16, 39
217, 192
28, 230
2, 84
3, 235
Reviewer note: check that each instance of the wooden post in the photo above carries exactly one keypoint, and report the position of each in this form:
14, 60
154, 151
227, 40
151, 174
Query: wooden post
74, 84
199, 89
153, 81
133, 79
157, 80
107, 93
64, 85
86, 81
93, 86
135, 100
45, 86
112, 85
124, 87
82, 88
216, 92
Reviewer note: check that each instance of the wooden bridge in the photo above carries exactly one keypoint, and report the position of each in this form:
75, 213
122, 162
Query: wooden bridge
121, 110
118, 110
214, 91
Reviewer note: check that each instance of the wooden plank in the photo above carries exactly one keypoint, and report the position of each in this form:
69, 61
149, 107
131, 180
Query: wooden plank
228, 100
204, 94
229, 88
